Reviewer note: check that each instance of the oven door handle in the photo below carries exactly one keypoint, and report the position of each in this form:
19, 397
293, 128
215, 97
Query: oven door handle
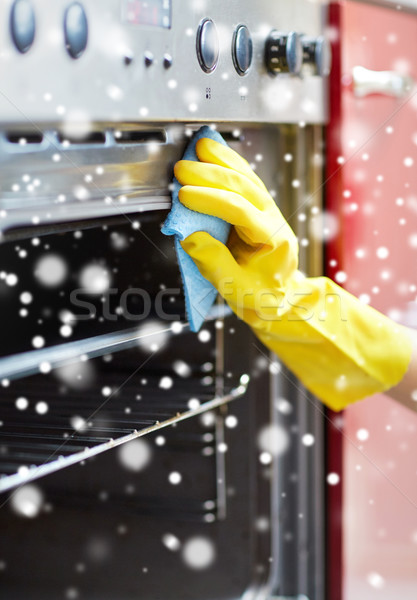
388, 83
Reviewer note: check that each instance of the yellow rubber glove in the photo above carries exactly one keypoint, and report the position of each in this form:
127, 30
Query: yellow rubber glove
341, 349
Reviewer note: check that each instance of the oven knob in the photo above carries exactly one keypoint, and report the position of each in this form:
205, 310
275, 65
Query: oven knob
283, 53
22, 25
167, 61
75, 30
207, 45
317, 53
242, 49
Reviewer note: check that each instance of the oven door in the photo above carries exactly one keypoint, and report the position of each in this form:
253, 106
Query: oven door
138, 459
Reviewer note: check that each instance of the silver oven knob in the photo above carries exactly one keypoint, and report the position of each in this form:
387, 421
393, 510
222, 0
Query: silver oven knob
283, 52
207, 45
317, 53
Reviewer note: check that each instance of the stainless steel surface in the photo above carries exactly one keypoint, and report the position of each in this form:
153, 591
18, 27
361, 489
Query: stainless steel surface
387, 83
111, 82
81, 138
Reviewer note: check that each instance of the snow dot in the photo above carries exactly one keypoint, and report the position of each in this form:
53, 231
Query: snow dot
160, 440
175, 478
412, 240
288, 157
208, 419
414, 395
176, 327
38, 341
95, 279
362, 434
283, 406
181, 368
65, 330
375, 580
78, 423
340, 277
152, 336
364, 298
308, 439
76, 375
295, 183
41, 408
204, 335
198, 553
273, 439
11, 279
333, 478
27, 501
22, 403
389, 129
135, 455
274, 368
26, 297
265, 458
408, 161
106, 390
382, 252
51, 270
324, 227
231, 421
171, 542
166, 382
45, 367
193, 403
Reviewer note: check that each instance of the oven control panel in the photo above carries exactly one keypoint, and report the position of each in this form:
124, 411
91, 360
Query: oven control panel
130, 60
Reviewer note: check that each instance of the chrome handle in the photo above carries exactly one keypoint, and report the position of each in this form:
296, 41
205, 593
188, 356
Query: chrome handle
388, 83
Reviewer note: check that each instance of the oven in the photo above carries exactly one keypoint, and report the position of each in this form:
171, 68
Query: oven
139, 459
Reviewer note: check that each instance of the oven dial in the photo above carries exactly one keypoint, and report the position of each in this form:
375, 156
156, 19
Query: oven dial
317, 53
75, 30
22, 25
207, 45
242, 49
283, 53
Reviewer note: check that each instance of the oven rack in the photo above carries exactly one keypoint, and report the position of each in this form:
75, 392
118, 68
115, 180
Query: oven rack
28, 363
30, 449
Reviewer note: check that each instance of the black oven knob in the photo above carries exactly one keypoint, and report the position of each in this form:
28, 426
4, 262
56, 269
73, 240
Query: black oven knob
283, 53
75, 30
207, 45
242, 49
317, 53
22, 25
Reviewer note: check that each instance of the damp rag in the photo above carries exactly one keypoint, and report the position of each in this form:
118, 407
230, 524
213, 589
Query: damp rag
199, 293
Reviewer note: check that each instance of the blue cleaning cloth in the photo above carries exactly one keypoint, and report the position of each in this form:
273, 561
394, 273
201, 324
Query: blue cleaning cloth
182, 222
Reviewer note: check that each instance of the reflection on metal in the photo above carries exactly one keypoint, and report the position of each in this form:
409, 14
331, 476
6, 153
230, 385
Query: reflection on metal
48, 178
60, 462
97, 209
27, 363
387, 83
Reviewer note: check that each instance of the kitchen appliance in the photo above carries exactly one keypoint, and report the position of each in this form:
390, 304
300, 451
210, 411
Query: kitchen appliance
127, 470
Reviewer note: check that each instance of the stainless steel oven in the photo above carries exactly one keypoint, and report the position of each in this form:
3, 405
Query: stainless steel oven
139, 459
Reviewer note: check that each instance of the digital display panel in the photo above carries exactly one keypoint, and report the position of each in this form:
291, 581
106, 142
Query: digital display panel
156, 13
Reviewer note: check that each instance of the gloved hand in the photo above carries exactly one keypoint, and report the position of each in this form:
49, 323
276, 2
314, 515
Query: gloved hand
339, 348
